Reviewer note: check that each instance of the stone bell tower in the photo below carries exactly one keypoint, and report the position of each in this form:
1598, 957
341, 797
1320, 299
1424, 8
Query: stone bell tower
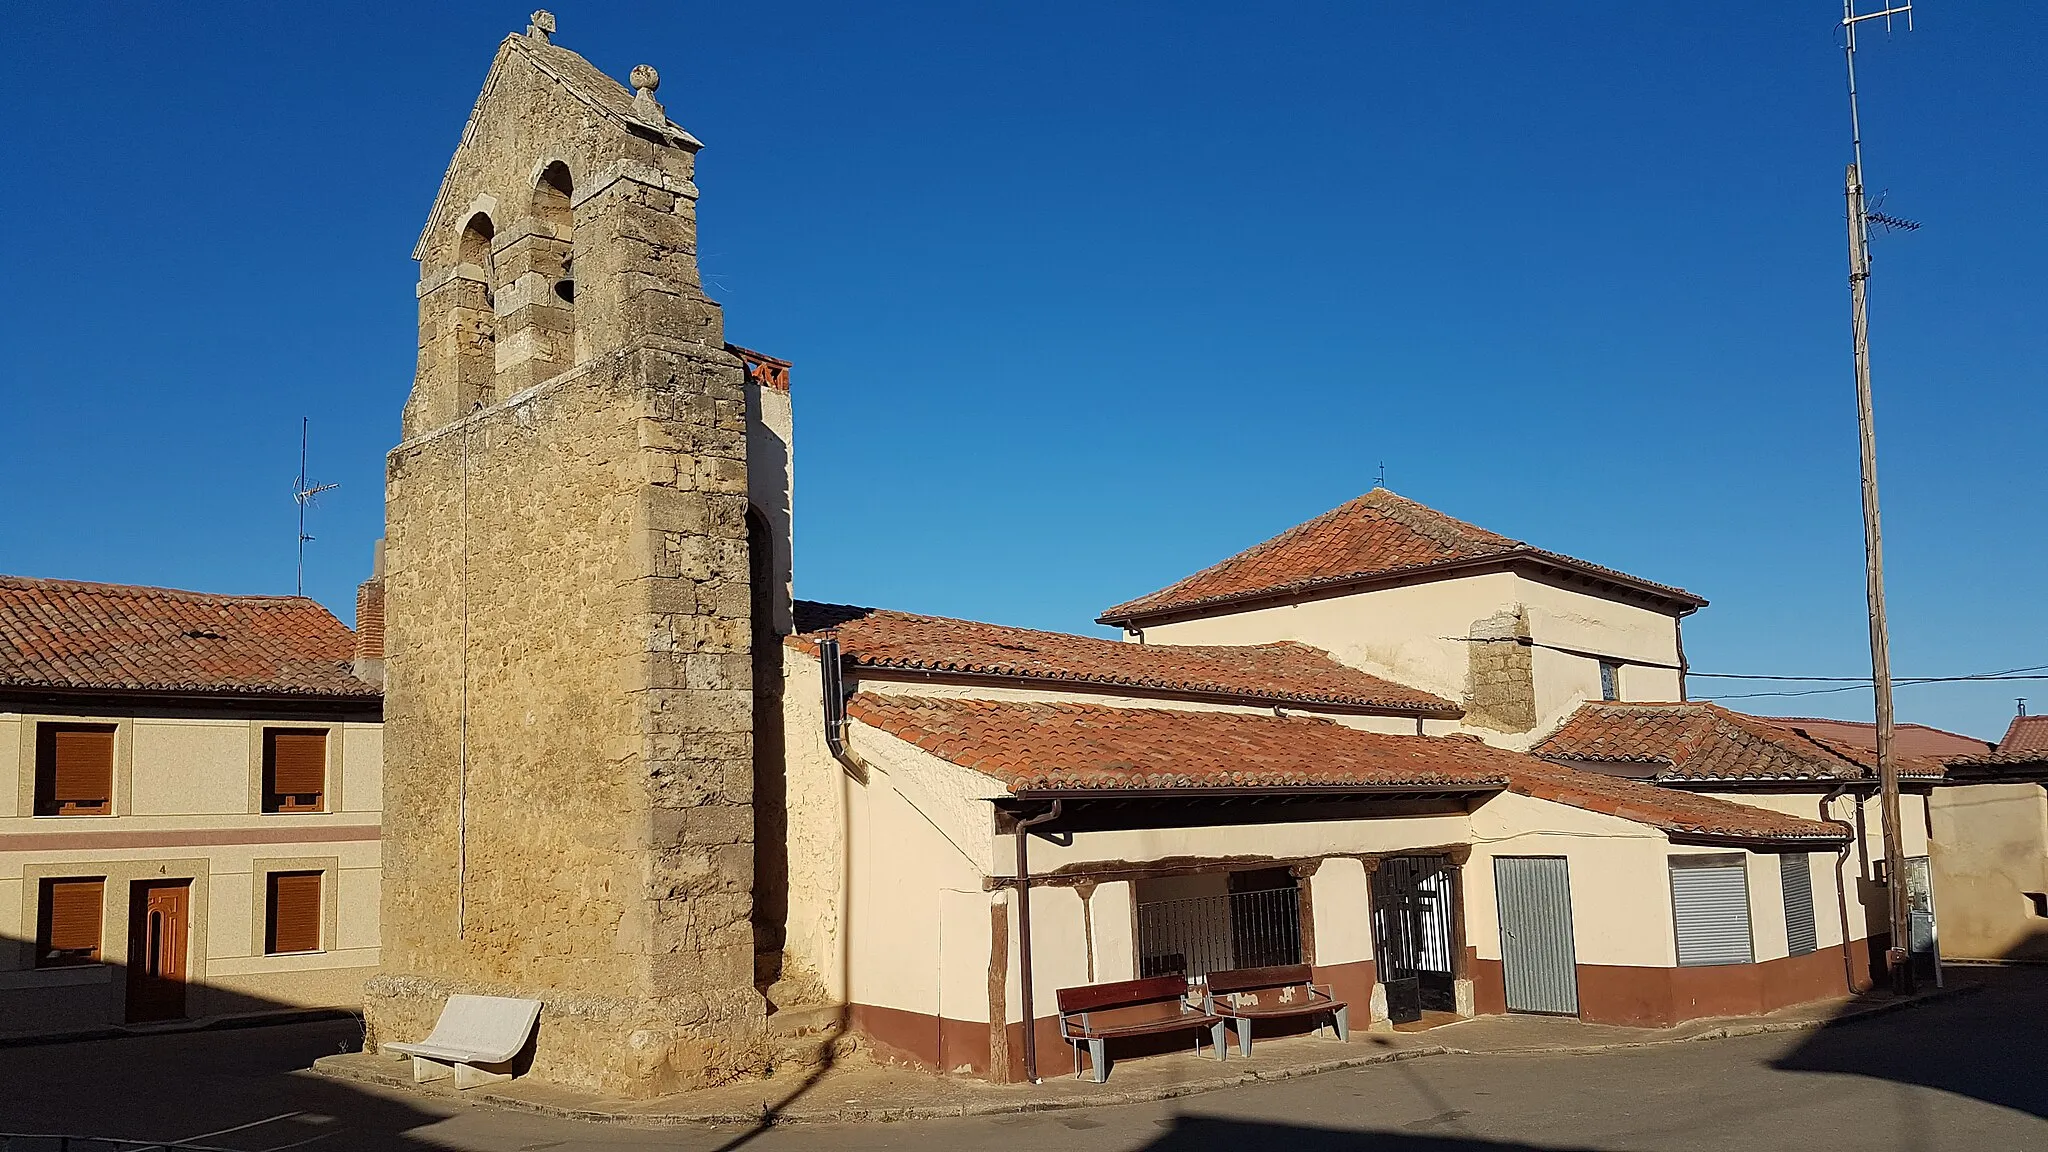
568, 783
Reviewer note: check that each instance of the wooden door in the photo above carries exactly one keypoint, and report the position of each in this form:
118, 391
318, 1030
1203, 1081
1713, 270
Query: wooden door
159, 916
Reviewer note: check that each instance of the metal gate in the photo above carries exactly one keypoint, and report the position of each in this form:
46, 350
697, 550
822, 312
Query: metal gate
1537, 958
1205, 934
1413, 907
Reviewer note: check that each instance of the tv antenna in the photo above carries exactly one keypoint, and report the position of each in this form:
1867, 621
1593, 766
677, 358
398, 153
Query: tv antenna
303, 492
1898, 958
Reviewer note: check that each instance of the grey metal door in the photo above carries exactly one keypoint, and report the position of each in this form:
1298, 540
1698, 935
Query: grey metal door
1536, 954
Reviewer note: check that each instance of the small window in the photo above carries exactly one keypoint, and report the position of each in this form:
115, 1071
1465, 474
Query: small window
68, 922
294, 770
74, 769
292, 913
1795, 874
2038, 902
1610, 680
1710, 909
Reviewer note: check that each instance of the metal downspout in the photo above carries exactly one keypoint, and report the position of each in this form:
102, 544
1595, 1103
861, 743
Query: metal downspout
1841, 891
1024, 936
832, 683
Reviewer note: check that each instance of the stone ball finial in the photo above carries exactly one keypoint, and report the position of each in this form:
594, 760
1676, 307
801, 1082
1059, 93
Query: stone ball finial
645, 78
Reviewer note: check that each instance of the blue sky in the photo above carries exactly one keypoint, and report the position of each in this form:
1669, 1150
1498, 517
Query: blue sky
1085, 297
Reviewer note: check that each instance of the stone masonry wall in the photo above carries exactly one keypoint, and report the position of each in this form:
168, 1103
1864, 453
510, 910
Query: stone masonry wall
568, 762
1503, 674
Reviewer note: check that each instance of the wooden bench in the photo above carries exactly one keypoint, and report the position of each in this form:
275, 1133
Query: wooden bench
1095, 1014
1283, 991
472, 1030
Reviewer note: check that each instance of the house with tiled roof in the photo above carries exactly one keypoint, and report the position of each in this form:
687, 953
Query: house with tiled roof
1188, 808
1517, 635
189, 826
1974, 819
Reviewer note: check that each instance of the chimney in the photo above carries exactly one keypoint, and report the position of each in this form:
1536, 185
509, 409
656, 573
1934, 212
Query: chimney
369, 656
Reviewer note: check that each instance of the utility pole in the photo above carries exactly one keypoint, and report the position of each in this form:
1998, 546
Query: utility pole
1898, 959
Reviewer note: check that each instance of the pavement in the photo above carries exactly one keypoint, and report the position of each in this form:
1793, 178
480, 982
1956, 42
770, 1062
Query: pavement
1963, 1072
855, 1089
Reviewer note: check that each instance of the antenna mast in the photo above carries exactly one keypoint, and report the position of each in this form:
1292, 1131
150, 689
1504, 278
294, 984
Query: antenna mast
303, 491
1898, 957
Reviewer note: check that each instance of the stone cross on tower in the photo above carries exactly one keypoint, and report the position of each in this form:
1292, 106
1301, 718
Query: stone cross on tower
568, 709
542, 25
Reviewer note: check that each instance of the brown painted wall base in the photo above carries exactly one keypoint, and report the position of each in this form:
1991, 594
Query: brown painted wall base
922, 1040
1660, 997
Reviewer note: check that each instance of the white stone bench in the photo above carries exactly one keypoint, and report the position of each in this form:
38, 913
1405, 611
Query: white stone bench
472, 1030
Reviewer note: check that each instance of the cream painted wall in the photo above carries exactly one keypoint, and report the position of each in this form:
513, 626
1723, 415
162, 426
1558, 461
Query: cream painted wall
819, 798
362, 767
1990, 850
966, 933
902, 864
771, 483
1411, 634
1112, 916
1400, 633
1343, 912
12, 803
1059, 952
1867, 908
192, 784
1621, 895
1277, 841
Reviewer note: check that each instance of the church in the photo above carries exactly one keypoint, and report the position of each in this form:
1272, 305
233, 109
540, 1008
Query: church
715, 829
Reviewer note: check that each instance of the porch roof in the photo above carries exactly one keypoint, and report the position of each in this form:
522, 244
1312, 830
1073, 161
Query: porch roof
1089, 749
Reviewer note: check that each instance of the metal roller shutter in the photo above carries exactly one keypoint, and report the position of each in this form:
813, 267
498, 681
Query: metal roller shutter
295, 912
69, 923
298, 771
1796, 874
74, 769
1710, 906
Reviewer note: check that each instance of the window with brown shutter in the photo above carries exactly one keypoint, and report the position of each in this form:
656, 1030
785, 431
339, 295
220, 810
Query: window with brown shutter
74, 769
294, 913
68, 922
294, 770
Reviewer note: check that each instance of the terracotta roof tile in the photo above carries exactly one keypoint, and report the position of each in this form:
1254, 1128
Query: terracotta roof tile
2027, 734
1378, 534
1698, 741
71, 634
1089, 747
1277, 673
2025, 747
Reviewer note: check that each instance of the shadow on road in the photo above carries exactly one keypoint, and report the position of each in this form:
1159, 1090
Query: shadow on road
1986, 1047
1211, 1134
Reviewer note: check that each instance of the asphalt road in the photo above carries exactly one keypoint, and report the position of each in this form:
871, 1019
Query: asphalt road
1966, 1074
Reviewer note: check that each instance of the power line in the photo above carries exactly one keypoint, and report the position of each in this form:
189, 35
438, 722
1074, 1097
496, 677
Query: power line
1860, 687
2002, 674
